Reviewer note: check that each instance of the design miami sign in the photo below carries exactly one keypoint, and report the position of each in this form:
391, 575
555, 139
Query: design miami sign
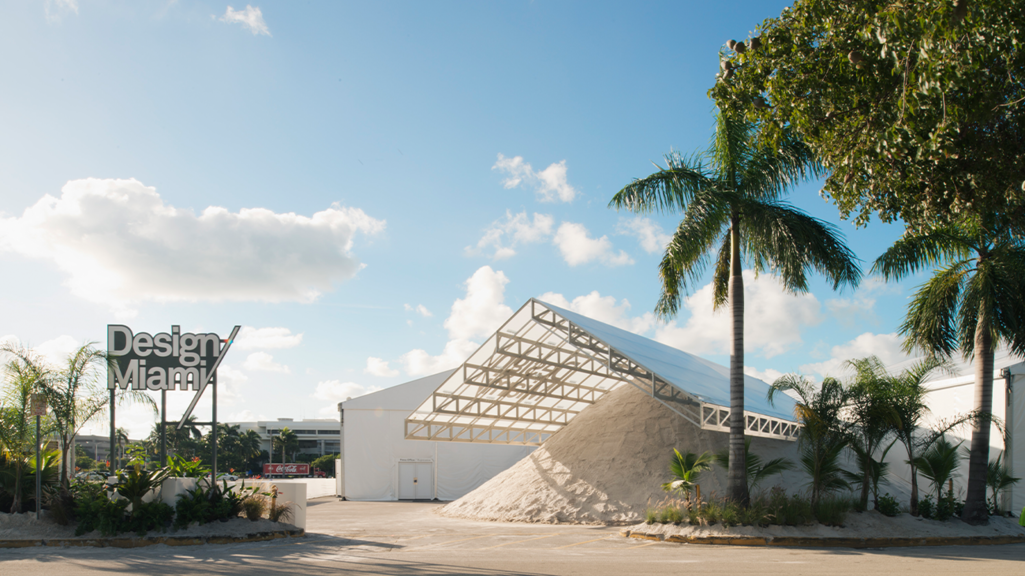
165, 361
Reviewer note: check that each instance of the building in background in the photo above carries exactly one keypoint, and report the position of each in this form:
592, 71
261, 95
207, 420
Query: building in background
317, 436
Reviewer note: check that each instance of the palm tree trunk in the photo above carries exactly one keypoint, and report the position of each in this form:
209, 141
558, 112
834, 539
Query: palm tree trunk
866, 478
736, 485
975, 511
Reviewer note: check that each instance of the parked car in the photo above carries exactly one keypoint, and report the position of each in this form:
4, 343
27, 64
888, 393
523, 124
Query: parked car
228, 477
90, 476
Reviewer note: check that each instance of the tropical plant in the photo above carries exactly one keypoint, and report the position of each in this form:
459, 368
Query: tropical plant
824, 431
178, 467
686, 470
21, 479
869, 408
730, 199
974, 301
874, 475
908, 399
137, 483
939, 463
756, 470
998, 478
25, 374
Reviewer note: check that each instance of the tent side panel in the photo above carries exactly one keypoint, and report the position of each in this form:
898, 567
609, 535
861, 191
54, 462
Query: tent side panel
374, 444
462, 467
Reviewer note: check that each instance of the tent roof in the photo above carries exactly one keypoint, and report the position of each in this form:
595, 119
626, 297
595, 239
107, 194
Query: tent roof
405, 396
546, 364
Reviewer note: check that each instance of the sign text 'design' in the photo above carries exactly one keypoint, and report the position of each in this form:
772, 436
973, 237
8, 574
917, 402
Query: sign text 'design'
164, 361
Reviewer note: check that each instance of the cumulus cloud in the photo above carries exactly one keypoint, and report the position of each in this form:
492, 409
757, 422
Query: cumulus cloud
379, 367
250, 18
503, 236
773, 320
250, 338
648, 233
55, 10
887, 347
334, 391
120, 244
604, 309
419, 309
473, 317
768, 375
262, 362
419, 363
58, 350
549, 184
577, 247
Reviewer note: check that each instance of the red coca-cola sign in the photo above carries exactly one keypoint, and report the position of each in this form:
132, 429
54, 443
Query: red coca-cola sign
290, 469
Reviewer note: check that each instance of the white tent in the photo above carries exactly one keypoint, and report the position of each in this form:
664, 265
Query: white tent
380, 464
954, 394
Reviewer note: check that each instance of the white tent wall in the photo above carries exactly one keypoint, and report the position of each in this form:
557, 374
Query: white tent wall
375, 444
951, 397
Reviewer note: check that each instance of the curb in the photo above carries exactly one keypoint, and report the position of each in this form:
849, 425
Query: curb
828, 542
128, 542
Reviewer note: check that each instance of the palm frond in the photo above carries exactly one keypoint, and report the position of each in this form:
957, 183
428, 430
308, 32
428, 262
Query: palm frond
930, 322
687, 253
917, 251
668, 190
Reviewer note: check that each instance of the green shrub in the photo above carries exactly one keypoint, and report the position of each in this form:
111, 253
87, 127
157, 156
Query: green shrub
888, 505
148, 516
832, 510
650, 515
925, 508
788, 510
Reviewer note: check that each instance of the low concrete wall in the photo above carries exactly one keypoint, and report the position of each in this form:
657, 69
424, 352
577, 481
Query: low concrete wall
315, 487
293, 492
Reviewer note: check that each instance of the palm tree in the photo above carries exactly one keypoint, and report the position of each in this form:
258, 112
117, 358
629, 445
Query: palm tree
873, 414
939, 463
24, 373
756, 471
730, 199
287, 441
686, 470
998, 477
824, 431
974, 301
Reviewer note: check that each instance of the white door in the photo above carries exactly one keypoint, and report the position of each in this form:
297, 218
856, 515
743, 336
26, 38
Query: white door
424, 481
416, 481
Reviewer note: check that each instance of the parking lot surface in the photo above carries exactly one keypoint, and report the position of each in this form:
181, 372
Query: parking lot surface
405, 538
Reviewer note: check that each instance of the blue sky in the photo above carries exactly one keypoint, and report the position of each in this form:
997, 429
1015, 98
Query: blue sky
370, 188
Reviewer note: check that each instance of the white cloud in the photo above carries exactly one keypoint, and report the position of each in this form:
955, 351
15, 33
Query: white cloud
503, 236
549, 184
604, 309
263, 362
334, 391
250, 338
768, 375
647, 232
57, 9
483, 310
250, 18
419, 309
229, 384
773, 320
379, 367
887, 347
120, 244
58, 350
420, 363
578, 247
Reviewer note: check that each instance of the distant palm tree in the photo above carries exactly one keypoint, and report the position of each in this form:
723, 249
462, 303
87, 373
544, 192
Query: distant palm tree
974, 301
288, 441
730, 199
24, 374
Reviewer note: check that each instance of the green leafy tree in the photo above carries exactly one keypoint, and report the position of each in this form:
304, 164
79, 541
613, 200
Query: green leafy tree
871, 411
974, 301
730, 198
686, 469
756, 469
917, 109
999, 478
824, 430
939, 463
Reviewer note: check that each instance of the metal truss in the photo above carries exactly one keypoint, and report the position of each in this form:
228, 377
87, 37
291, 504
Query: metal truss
536, 373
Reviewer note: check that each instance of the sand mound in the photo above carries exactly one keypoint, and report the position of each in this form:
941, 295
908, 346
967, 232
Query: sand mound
605, 466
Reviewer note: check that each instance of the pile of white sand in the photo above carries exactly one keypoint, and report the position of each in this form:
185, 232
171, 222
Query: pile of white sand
26, 527
606, 466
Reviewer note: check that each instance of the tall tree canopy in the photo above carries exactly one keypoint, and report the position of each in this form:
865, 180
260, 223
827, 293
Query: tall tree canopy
917, 109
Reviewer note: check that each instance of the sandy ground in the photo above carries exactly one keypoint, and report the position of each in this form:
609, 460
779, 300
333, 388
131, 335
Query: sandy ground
869, 524
26, 527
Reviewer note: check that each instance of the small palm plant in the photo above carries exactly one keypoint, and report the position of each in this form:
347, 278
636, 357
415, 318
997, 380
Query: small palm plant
686, 470
756, 470
939, 463
998, 478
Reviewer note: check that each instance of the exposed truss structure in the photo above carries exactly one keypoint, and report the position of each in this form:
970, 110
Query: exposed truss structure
537, 372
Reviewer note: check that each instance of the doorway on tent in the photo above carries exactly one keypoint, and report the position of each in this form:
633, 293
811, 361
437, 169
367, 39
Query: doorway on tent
416, 480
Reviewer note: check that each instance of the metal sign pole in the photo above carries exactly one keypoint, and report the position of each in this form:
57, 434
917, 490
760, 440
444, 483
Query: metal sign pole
113, 465
39, 473
163, 427
214, 418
